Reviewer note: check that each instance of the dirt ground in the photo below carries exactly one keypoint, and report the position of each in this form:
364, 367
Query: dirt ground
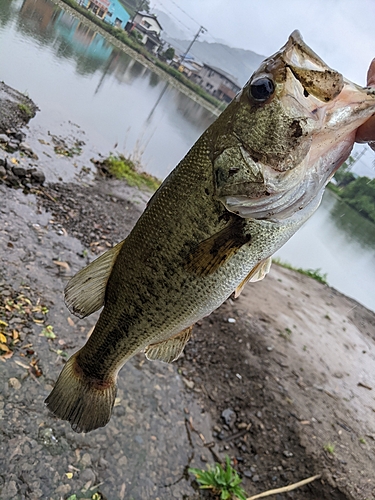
281, 379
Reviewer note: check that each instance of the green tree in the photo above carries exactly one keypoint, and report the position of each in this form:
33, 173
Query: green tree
169, 53
343, 176
360, 194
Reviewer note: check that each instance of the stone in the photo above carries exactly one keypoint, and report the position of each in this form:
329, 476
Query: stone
88, 475
9, 490
19, 171
86, 459
15, 383
38, 176
229, 416
4, 139
3, 172
12, 146
63, 489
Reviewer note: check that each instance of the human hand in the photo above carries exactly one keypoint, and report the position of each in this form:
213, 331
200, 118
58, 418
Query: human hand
366, 132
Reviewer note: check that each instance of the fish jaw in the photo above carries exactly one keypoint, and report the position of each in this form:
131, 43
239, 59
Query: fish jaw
282, 163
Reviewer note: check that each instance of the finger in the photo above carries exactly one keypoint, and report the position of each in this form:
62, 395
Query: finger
366, 133
371, 74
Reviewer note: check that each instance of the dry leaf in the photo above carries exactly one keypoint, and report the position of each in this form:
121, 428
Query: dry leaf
64, 265
3, 338
4, 348
71, 322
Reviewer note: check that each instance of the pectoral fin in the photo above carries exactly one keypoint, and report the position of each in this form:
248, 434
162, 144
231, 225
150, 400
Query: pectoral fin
258, 272
169, 350
212, 253
85, 292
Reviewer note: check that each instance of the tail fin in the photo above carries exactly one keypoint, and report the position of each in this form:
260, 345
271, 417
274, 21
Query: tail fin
84, 402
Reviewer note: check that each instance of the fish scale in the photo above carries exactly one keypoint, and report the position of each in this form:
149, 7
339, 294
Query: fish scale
245, 187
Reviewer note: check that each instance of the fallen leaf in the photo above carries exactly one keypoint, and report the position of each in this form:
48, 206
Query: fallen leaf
64, 265
4, 348
69, 475
3, 338
71, 322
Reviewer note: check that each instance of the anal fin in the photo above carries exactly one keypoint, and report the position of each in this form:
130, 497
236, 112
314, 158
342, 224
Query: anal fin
85, 292
258, 272
171, 349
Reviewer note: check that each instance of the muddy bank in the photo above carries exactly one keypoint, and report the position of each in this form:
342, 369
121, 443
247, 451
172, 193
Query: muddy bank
282, 379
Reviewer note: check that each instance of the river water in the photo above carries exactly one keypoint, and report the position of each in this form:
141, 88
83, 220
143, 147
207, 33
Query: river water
76, 76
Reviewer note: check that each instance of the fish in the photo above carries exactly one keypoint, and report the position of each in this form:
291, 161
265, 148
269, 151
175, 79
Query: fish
245, 187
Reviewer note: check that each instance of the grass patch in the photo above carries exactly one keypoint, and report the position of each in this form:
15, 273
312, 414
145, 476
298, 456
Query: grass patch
316, 274
124, 168
329, 448
25, 109
222, 481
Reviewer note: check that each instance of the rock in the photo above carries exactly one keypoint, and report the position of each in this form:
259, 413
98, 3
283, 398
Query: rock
19, 171
38, 176
12, 146
18, 136
3, 172
188, 383
248, 473
229, 416
11, 179
255, 478
86, 459
88, 475
27, 150
9, 490
4, 139
15, 383
64, 489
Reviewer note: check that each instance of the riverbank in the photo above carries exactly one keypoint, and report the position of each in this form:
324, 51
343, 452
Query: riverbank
147, 62
281, 379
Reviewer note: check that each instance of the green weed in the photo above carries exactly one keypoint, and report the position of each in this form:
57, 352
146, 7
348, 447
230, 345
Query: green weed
312, 273
25, 108
223, 482
124, 168
329, 448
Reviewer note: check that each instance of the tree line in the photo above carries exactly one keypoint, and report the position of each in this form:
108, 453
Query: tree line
358, 192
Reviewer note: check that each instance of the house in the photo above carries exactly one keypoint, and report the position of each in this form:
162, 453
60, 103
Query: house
149, 30
110, 11
117, 15
97, 7
217, 83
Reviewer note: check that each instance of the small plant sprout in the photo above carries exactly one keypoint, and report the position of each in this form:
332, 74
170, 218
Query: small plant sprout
329, 448
223, 482
362, 440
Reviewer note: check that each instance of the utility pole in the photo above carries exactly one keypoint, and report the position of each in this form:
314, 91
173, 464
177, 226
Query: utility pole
201, 30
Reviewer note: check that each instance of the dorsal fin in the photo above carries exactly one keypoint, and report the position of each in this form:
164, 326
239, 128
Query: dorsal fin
169, 350
85, 292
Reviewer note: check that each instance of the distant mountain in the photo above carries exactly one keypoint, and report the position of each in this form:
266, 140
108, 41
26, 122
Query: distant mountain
239, 63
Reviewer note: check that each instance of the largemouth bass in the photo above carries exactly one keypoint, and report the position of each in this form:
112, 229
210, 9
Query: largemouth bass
245, 187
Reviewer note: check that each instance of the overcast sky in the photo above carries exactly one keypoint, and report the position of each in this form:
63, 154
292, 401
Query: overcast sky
342, 32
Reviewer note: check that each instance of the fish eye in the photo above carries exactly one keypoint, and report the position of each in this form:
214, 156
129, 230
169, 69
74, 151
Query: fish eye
261, 89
